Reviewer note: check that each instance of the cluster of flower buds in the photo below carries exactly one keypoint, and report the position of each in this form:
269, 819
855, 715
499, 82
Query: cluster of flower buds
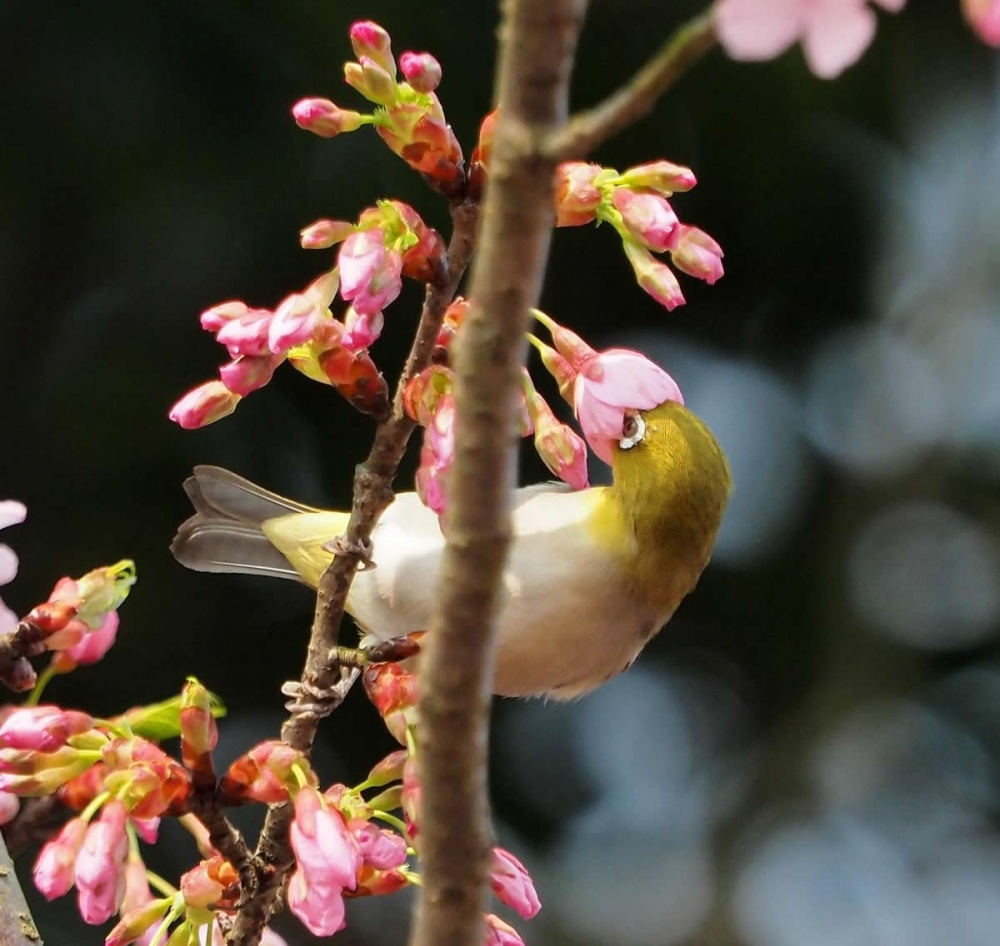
635, 204
388, 242
408, 114
79, 622
601, 386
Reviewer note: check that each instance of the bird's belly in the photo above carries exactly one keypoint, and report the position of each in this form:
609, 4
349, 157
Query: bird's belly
565, 624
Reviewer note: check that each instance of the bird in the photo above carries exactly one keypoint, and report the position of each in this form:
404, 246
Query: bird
592, 575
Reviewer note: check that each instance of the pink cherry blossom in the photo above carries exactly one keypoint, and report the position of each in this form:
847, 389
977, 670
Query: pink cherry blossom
648, 217
833, 33
55, 866
613, 382
204, 405
984, 18
325, 851
512, 884
322, 234
320, 907
100, 877
369, 39
370, 275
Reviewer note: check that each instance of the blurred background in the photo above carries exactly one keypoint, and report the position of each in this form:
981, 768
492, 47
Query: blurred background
808, 756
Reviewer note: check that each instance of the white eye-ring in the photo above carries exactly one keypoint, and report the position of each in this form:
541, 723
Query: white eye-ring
633, 430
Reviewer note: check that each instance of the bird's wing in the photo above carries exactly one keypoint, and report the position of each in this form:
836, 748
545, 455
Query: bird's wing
398, 595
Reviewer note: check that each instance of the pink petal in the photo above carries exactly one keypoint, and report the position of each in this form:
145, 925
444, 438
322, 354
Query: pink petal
837, 34
8, 565
758, 29
11, 513
8, 619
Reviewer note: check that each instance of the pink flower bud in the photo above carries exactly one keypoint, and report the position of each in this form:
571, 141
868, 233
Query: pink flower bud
371, 40
199, 733
99, 874
213, 881
323, 118
213, 319
56, 862
422, 71
204, 405
654, 277
43, 728
247, 335
984, 18
694, 252
562, 450
247, 374
91, 648
380, 848
661, 176
648, 217
10, 805
325, 233
499, 933
370, 275
577, 195
512, 884
263, 774
295, 321
374, 82
437, 454
140, 924
390, 769
360, 331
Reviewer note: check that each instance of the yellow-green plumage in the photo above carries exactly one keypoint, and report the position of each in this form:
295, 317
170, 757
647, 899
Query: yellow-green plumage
592, 575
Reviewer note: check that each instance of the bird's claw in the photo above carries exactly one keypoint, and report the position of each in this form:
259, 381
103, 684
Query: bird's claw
307, 699
361, 549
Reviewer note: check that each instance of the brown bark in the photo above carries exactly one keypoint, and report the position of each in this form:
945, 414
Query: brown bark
17, 927
538, 42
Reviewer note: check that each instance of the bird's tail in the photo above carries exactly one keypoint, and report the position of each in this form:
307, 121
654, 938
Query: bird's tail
224, 534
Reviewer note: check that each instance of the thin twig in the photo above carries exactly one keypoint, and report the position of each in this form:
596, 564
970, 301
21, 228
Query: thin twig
372, 495
586, 130
538, 42
17, 927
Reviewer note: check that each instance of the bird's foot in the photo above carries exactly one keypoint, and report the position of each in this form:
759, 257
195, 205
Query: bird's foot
393, 650
308, 699
362, 550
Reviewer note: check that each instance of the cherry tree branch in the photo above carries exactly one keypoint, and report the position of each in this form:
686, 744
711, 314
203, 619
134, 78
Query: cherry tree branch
586, 130
17, 928
324, 683
538, 42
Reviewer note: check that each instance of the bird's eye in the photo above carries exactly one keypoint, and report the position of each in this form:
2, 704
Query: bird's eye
633, 430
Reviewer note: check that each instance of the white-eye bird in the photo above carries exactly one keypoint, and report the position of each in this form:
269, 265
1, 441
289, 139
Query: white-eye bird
592, 574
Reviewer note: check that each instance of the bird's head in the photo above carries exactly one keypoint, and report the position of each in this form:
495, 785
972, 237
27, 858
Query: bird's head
671, 477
